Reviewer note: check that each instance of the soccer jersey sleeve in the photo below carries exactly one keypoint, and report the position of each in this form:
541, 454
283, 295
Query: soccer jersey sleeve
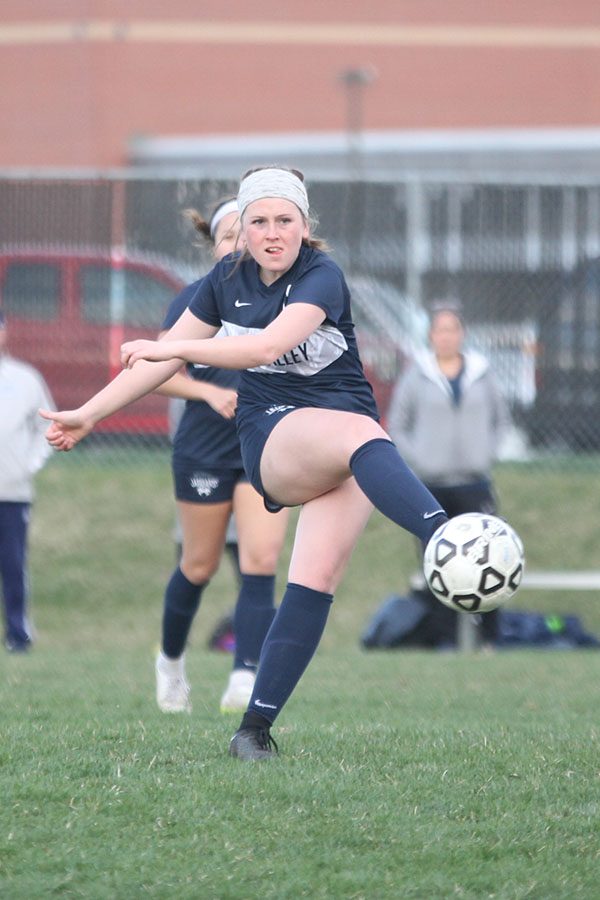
204, 302
321, 285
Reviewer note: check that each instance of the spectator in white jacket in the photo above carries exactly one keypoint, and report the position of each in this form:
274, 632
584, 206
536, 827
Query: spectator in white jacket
448, 417
23, 452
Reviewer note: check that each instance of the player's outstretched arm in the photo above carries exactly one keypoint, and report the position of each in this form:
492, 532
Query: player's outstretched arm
71, 426
245, 351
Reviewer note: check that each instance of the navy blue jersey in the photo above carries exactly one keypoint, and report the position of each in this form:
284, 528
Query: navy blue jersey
323, 371
204, 437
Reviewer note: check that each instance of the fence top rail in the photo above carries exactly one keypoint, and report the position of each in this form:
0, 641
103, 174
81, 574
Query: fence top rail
437, 177
550, 581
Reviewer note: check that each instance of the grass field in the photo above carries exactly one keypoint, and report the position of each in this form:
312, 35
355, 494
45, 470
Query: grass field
402, 774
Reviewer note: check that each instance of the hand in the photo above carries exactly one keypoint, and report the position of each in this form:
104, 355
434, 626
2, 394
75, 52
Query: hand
67, 428
154, 351
223, 401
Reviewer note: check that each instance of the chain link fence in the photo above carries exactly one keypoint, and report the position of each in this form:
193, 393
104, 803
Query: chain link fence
86, 263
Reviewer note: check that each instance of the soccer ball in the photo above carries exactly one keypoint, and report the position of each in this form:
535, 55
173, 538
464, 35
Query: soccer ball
474, 562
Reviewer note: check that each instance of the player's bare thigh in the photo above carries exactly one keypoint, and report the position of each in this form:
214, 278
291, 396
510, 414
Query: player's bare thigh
308, 451
260, 533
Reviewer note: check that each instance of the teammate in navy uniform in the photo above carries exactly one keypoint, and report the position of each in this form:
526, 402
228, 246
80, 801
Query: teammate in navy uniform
210, 484
306, 417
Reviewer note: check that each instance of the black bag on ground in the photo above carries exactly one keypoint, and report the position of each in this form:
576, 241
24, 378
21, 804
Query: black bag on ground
410, 621
517, 628
417, 621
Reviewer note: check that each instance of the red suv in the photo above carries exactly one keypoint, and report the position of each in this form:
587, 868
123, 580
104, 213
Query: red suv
68, 313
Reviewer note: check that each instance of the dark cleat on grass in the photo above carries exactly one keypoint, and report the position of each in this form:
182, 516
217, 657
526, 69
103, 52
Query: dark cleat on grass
253, 743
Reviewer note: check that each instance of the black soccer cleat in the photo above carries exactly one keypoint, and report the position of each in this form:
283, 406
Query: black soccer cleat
253, 743
17, 646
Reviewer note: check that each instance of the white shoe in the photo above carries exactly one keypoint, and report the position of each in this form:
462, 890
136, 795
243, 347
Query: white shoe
238, 691
172, 689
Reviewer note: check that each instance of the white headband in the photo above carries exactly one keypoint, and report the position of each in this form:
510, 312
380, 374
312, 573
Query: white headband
229, 207
272, 183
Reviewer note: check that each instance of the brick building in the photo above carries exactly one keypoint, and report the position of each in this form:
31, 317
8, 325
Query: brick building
84, 84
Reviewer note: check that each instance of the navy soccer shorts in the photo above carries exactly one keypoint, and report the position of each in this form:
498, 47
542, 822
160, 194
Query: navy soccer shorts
254, 428
194, 484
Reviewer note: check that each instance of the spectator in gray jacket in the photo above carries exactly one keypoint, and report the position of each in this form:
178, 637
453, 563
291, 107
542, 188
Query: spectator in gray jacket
447, 418
23, 451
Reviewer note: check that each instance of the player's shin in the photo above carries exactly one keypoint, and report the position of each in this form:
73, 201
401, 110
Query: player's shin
288, 648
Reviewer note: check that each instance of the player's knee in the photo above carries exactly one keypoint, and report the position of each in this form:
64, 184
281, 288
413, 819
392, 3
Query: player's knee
362, 431
198, 570
261, 561
260, 552
322, 578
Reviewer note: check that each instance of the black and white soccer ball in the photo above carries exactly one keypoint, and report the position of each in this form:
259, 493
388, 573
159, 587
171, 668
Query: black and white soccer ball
474, 562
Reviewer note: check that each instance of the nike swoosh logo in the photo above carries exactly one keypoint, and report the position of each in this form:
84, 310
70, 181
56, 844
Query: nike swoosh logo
430, 515
238, 304
264, 705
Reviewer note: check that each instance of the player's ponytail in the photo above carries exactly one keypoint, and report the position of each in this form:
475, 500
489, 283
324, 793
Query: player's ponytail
206, 228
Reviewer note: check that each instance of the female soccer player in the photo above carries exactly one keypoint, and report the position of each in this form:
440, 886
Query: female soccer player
210, 484
306, 417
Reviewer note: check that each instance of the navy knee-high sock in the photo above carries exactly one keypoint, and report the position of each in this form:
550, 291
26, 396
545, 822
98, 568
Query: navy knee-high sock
394, 489
252, 619
288, 648
182, 599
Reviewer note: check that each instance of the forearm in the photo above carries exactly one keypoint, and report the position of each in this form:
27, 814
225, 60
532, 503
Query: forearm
182, 387
129, 385
232, 352
244, 351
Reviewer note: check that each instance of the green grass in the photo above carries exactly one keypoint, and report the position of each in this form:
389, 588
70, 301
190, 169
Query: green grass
401, 775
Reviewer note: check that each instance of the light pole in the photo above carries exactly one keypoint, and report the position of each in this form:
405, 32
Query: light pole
354, 81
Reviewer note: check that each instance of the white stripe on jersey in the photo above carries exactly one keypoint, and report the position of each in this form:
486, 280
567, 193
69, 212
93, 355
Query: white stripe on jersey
318, 351
220, 334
